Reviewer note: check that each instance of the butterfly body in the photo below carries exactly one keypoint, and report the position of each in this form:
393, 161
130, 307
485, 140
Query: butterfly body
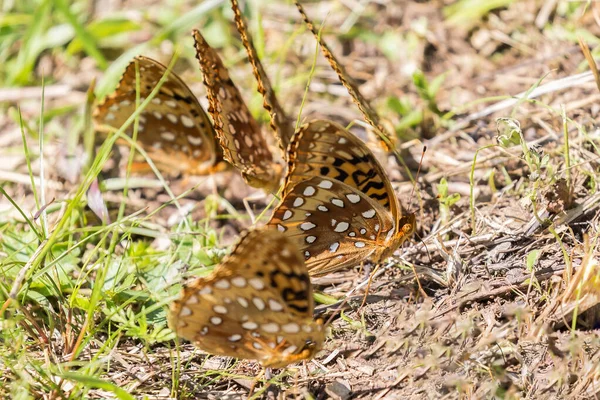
338, 206
257, 304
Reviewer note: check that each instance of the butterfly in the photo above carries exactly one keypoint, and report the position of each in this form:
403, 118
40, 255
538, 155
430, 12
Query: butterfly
339, 206
242, 141
173, 129
369, 113
257, 304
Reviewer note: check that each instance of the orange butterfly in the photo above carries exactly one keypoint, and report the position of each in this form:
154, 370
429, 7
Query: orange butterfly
257, 304
173, 128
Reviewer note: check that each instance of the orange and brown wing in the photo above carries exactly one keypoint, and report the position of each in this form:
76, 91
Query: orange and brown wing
257, 304
325, 148
243, 144
173, 128
363, 104
334, 225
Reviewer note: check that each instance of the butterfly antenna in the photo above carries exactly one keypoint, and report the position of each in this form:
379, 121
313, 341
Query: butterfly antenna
278, 120
412, 192
368, 112
424, 245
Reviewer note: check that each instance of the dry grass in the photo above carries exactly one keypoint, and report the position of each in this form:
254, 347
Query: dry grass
507, 202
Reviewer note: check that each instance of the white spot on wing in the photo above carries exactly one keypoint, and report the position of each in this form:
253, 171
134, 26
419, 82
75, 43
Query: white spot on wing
271, 327
298, 202
257, 283
369, 213
326, 184
337, 202
287, 215
168, 136
220, 309
258, 303
250, 325
243, 302
291, 327
275, 305
222, 284
353, 198
195, 140
342, 227
187, 121
185, 312
172, 118
205, 290
238, 281
309, 191
306, 226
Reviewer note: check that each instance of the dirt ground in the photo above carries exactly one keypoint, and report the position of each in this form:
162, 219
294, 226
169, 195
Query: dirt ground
496, 294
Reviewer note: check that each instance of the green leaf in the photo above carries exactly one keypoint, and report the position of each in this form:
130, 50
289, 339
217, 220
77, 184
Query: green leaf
399, 106
31, 46
468, 13
102, 29
322, 298
531, 259
414, 118
435, 84
508, 132
452, 199
87, 40
442, 188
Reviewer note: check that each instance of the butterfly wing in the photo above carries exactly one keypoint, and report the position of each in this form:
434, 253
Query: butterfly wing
257, 304
363, 104
173, 128
280, 123
239, 134
333, 224
325, 148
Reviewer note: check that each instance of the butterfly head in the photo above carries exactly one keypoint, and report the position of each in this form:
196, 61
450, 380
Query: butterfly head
406, 226
314, 335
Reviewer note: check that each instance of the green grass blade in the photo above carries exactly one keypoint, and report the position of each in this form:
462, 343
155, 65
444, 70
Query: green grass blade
87, 41
98, 384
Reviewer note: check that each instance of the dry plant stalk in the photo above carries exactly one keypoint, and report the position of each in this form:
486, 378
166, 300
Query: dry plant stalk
580, 295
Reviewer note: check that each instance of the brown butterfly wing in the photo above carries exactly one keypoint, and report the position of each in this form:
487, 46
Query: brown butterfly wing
280, 123
257, 304
334, 225
239, 134
363, 104
325, 148
173, 128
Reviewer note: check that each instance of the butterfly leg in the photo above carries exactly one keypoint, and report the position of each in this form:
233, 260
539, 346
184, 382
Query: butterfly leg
266, 372
248, 207
371, 275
